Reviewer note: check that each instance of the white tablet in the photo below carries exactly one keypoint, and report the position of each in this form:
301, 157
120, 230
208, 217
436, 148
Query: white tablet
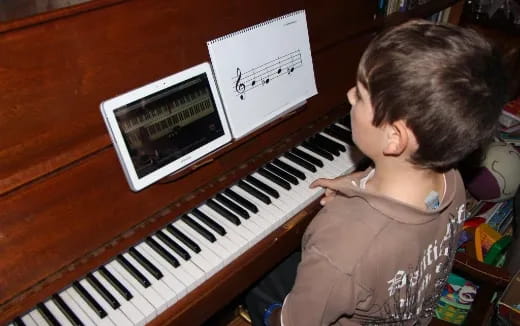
164, 126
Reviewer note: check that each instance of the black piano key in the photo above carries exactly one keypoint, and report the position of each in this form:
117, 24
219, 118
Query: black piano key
89, 299
254, 192
327, 147
338, 133
115, 283
198, 228
162, 252
345, 122
309, 158
174, 245
183, 238
262, 186
232, 206
209, 222
18, 322
282, 174
47, 315
103, 291
339, 129
223, 211
133, 271
274, 178
65, 309
334, 143
311, 146
151, 268
241, 200
301, 162
341, 134
290, 169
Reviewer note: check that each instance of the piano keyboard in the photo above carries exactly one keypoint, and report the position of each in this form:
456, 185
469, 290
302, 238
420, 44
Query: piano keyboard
142, 282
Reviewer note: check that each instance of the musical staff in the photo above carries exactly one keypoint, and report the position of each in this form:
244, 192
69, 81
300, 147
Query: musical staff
264, 74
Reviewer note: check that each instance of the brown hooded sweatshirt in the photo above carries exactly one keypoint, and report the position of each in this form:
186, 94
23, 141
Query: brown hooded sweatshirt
369, 259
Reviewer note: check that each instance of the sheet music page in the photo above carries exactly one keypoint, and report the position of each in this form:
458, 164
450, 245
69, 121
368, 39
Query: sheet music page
263, 71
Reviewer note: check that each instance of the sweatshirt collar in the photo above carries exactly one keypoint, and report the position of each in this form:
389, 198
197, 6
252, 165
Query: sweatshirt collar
398, 210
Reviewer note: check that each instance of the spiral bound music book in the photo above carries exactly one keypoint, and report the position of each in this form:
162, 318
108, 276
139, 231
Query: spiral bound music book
263, 71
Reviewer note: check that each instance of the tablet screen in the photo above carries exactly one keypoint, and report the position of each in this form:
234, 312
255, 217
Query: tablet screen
164, 126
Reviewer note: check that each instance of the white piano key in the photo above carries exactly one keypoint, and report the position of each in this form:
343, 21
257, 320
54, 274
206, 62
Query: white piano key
116, 316
204, 243
333, 138
327, 164
127, 307
309, 178
187, 267
38, 318
238, 233
138, 299
304, 185
283, 202
76, 309
329, 170
164, 291
168, 278
230, 243
342, 127
255, 223
296, 190
295, 203
56, 312
148, 293
186, 273
335, 164
345, 158
268, 211
239, 239
206, 260
105, 321
27, 319
288, 196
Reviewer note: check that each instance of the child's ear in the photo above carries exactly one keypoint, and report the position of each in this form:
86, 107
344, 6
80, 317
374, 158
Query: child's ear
397, 138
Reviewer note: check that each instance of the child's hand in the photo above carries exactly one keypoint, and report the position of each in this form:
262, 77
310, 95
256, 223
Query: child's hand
332, 186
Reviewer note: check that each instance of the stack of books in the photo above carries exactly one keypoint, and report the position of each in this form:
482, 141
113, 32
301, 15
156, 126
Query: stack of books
388, 7
510, 123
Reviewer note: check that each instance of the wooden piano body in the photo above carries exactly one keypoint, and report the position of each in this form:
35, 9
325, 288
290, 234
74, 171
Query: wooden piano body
65, 206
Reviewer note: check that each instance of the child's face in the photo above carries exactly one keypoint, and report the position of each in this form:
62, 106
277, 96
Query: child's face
365, 135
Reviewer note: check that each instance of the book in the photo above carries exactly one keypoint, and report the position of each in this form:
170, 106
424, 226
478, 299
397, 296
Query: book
512, 138
500, 214
381, 6
510, 117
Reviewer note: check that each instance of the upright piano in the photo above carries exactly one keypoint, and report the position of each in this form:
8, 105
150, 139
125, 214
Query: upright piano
77, 246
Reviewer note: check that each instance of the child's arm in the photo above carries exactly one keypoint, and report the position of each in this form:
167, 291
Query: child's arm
332, 186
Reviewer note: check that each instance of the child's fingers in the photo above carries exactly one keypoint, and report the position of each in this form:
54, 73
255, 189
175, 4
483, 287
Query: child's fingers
330, 192
327, 199
321, 182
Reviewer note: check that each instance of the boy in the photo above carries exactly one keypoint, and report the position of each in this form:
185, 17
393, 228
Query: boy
380, 250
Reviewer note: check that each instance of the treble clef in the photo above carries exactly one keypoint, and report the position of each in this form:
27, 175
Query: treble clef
240, 87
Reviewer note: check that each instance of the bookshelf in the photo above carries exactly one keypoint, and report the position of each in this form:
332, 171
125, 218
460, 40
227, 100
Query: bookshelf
423, 11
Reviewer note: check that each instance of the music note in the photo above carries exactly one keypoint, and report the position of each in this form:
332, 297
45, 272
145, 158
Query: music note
264, 74
239, 86
254, 78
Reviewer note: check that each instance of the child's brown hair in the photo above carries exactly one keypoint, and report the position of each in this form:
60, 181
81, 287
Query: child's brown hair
446, 82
